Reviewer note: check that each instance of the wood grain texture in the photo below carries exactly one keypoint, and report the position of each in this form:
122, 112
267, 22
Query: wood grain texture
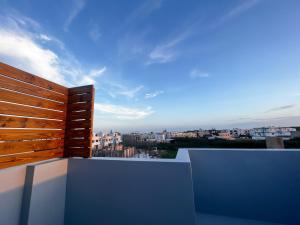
20, 110
79, 152
25, 135
80, 115
81, 90
18, 122
30, 89
25, 146
19, 159
20, 134
32, 79
79, 98
79, 124
10, 96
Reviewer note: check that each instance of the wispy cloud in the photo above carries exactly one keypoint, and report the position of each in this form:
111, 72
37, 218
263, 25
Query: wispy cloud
153, 94
165, 53
280, 108
236, 11
76, 8
142, 11
122, 112
94, 32
130, 93
115, 89
45, 37
196, 73
91, 77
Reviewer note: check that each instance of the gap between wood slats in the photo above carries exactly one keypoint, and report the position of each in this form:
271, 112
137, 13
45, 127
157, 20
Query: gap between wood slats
32, 79
20, 122
20, 98
19, 159
25, 146
22, 134
20, 110
26, 88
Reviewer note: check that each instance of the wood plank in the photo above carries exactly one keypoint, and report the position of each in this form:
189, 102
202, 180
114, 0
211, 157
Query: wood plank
79, 152
32, 79
77, 143
92, 120
79, 115
79, 98
25, 146
30, 89
26, 134
79, 124
19, 159
19, 110
11, 96
77, 133
79, 106
80, 90
18, 122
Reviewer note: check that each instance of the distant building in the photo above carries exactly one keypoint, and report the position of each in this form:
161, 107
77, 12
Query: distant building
111, 139
238, 133
132, 139
224, 135
185, 134
263, 132
96, 142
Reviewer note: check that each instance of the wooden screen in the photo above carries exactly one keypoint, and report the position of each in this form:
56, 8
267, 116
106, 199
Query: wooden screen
80, 121
33, 118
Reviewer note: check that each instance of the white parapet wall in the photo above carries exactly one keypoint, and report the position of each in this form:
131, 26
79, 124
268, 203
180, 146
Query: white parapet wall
12, 183
255, 184
115, 191
33, 194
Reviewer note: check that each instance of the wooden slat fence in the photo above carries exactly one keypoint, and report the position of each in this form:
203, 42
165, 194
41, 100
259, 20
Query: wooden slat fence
41, 120
80, 121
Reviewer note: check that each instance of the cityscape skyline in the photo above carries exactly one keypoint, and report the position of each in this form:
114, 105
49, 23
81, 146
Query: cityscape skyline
160, 64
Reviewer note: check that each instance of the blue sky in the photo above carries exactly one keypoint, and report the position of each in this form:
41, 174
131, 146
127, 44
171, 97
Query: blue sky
162, 64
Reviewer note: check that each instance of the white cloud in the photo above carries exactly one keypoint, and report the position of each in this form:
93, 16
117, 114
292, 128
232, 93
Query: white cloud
153, 94
45, 37
195, 73
236, 11
91, 77
77, 6
131, 93
22, 44
122, 112
21, 50
142, 11
97, 72
95, 33
165, 53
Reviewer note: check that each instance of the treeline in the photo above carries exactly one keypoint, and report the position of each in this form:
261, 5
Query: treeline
220, 143
206, 143
216, 143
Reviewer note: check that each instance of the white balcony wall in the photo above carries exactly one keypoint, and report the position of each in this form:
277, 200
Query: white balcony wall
252, 184
129, 191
